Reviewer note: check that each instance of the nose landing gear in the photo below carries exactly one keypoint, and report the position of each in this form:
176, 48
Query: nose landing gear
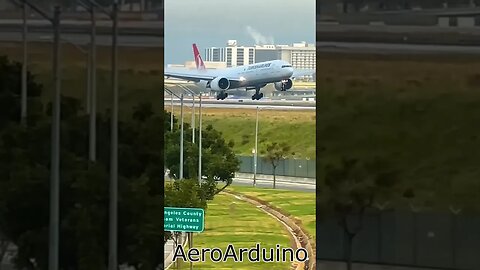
222, 95
257, 95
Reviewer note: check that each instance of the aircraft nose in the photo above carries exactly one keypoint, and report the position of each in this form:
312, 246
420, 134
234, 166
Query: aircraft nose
290, 71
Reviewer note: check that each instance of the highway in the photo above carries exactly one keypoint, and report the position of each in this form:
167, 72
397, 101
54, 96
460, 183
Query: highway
325, 46
150, 34
263, 183
323, 27
142, 41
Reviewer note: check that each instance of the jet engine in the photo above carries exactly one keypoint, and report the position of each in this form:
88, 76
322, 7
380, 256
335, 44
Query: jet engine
283, 85
219, 84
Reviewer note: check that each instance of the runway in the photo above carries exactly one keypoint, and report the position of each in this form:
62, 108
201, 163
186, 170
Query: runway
265, 104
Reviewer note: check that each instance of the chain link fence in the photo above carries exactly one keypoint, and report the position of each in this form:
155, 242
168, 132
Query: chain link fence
287, 167
425, 239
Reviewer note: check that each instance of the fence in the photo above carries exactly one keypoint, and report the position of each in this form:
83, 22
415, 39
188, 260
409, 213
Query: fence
436, 240
286, 167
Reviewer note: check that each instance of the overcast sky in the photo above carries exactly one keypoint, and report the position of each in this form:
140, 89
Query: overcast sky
210, 23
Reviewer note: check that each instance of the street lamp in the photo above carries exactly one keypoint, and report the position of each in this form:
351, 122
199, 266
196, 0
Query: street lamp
181, 130
91, 6
181, 136
193, 109
200, 141
255, 150
55, 140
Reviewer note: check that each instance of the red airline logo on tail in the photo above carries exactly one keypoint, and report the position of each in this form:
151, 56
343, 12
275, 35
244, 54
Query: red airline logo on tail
198, 58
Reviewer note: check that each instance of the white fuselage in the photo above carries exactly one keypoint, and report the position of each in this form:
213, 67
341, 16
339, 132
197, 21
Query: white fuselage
257, 74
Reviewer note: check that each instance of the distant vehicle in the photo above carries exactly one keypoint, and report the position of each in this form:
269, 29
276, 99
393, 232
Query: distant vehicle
254, 76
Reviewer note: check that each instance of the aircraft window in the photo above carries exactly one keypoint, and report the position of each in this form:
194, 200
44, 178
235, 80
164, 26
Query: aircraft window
284, 66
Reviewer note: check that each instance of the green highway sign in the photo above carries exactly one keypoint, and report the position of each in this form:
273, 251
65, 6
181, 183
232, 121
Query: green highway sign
183, 219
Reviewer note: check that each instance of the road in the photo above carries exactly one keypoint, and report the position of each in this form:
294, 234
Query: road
325, 46
142, 41
395, 29
262, 183
150, 34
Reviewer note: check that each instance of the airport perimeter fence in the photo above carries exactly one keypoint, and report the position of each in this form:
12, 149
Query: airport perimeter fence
287, 167
425, 239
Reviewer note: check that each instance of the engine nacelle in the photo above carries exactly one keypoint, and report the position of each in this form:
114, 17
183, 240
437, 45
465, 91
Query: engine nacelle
219, 84
287, 84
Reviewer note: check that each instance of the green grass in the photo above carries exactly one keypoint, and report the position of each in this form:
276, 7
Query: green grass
231, 221
296, 128
300, 205
420, 113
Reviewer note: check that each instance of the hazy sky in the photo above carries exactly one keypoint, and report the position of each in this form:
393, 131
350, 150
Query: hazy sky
210, 23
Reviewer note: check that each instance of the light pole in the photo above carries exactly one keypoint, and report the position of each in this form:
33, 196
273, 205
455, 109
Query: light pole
181, 137
255, 155
90, 6
255, 152
193, 109
23, 103
181, 129
24, 66
193, 118
113, 211
53, 240
113, 185
171, 112
200, 140
55, 166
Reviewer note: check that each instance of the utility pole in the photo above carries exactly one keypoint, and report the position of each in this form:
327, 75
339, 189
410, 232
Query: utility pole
200, 141
255, 155
55, 163
93, 88
193, 117
181, 137
171, 112
113, 211
24, 66
53, 236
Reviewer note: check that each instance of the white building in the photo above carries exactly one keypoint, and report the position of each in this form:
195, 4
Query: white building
233, 55
301, 55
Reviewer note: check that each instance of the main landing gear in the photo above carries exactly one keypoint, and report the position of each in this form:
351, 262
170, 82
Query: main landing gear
257, 95
222, 95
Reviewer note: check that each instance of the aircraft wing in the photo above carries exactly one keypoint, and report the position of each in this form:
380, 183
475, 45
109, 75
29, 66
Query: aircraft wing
196, 75
189, 75
302, 72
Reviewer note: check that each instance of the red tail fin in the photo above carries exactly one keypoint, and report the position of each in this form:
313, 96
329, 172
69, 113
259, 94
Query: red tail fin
198, 58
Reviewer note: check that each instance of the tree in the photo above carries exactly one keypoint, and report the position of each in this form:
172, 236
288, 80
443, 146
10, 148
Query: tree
10, 94
219, 162
350, 189
185, 193
276, 152
24, 185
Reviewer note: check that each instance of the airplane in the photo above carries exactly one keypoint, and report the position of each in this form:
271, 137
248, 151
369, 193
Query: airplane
253, 76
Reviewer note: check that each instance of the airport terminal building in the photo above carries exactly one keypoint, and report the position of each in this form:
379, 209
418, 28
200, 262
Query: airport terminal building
300, 55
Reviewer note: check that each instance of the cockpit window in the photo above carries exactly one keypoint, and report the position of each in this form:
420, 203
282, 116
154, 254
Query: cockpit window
284, 66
